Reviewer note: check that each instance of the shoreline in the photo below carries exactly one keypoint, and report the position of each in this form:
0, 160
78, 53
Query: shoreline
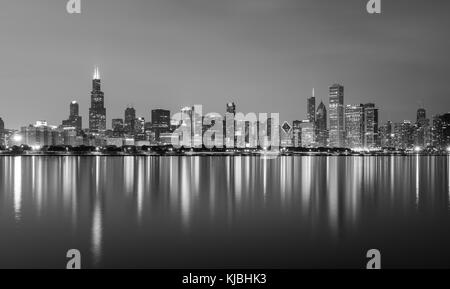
210, 154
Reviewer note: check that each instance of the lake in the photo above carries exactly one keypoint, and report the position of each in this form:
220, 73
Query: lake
224, 212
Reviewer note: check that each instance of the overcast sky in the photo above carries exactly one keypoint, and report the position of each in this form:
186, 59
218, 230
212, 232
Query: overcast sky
265, 55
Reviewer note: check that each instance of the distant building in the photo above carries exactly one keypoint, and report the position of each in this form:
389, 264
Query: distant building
370, 126
114, 141
230, 136
2, 133
74, 119
386, 135
70, 137
130, 121
441, 131
41, 134
307, 133
321, 125
421, 115
117, 127
286, 135
423, 129
296, 133
407, 135
354, 125
97, 111
336, 110
190, 129
311, 113
160, 123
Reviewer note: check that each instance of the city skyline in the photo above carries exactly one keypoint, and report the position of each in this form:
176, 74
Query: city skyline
173, 54
98, 99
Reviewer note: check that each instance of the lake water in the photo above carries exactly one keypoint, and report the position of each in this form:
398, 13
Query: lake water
224, 212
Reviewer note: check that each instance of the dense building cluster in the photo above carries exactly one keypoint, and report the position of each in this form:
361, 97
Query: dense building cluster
354, 126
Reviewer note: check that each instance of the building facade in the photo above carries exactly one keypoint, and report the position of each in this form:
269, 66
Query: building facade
321, 125
354, 125
97, 111
336, 111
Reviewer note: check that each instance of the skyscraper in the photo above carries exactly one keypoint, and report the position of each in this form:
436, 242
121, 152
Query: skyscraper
161, 120
74, 119
386, 134
229, 125
139, 125
423, 131
117, 125
407, 132
130, 120
311, 113
297, 133
321, 125
336, 110
441, 131
371, 139
421, 115
354, 125
2, 132
231, 107
307, 133
97, 111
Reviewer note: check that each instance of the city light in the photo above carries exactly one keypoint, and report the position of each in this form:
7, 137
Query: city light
36, 147
17, 138
448, 149
417, 149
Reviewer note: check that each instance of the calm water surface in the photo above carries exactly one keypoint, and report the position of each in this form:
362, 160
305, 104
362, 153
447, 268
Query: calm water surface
224, 212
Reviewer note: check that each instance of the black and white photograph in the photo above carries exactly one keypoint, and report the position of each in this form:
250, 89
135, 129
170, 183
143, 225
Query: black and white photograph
237, 137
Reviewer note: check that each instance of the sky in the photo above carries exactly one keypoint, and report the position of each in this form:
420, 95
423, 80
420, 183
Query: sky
264, 55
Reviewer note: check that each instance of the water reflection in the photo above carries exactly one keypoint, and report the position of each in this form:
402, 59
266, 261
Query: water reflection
18, 189
112, 201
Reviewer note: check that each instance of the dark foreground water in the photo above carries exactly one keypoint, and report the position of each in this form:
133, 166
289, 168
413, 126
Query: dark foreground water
224, 212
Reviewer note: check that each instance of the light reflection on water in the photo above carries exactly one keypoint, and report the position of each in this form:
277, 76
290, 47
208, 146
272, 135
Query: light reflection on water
172, 212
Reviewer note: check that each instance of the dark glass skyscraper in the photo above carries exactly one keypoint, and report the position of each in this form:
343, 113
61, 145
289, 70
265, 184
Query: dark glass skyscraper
75, 119
321, 125
371, 139
117, 125
160, 122
130, 120
97, 112
441, 131
231, 107
161, 119
2, 132
311, 113
421, 115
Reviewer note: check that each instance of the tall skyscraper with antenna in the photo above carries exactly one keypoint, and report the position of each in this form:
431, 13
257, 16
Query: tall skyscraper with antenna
97, 112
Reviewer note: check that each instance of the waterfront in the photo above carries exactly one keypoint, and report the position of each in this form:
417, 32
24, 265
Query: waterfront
224, 212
